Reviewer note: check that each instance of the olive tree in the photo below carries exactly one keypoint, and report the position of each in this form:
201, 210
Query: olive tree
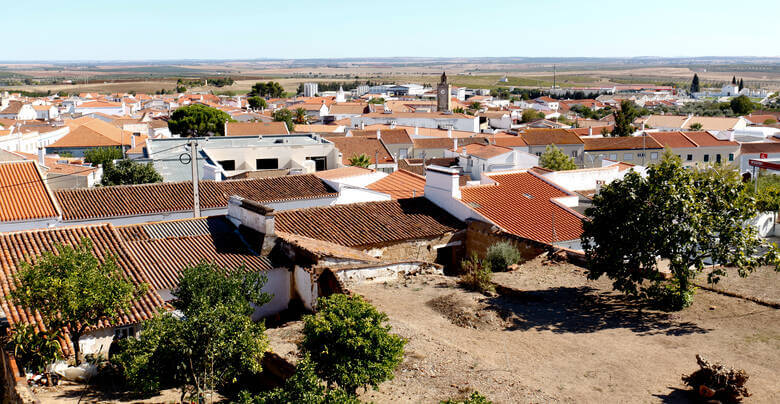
555, 159
685, 218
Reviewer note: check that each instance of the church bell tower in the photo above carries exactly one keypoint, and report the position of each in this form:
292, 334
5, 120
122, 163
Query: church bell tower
443, 95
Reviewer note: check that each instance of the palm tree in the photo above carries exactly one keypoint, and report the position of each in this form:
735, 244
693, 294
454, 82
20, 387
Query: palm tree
360, 160
300, 116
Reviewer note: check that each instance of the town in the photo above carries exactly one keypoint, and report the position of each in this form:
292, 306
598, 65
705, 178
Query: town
325, 238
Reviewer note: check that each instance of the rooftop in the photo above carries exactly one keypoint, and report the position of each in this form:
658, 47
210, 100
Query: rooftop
23, 193
400, 184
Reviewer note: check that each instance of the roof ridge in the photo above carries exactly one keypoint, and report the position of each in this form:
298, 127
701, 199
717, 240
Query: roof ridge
689, 139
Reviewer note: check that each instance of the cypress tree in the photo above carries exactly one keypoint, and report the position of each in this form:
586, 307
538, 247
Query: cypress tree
741, 84
695, 84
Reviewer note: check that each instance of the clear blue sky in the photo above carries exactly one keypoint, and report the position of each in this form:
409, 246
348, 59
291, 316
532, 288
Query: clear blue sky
226, 29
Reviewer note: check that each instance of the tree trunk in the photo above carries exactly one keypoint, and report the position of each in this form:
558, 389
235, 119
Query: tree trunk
74, 338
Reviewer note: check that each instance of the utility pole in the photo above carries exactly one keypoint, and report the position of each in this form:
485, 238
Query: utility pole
194, 162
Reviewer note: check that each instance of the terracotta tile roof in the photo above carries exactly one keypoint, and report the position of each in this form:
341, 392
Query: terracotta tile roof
343, 172
347, 109
428, 132
163, 249
23, 193
713, 122
324, 248
596, 130
446, 143
705, 139
94, 133
539, 137
672, 140
388, 136
13, 107
99, 104
484, 151
370, 223
256, 128
666, 121
760, 119
756, 148
400, 184
55, 166
521, 204
309, 128
350, 146
24, 246
130, 200
509, 141
434, 115
621, 143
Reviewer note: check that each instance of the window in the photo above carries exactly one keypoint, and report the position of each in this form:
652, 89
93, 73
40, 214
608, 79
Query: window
689, 157
227, 165
574, 154
731, 156
640, 154
124, 332
538, 154
267, 164
706, 158
654, 156
403, 153
613, 156
320, 162
628, 156
717, 158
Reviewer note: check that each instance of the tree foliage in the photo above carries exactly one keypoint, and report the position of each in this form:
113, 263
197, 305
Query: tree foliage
74, 290
198, 120
302, 387
257, 102
102, 155
555, 159
211, 345
624, 118
35, 349
350, 343
530, 115
695, 84
300, 116
676, 215
284, 115
741, 105
696, 126
360, 160
129, 172
270, 89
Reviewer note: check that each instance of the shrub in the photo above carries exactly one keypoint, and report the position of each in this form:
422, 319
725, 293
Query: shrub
477, 275
35, 349
350, 344
475, 398
501, 255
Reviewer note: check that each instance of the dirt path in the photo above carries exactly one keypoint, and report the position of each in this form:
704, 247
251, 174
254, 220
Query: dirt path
552, 335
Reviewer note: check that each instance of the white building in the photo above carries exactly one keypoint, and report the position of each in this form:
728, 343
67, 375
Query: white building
310, 89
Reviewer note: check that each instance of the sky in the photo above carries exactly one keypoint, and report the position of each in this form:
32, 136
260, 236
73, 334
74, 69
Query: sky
257, 29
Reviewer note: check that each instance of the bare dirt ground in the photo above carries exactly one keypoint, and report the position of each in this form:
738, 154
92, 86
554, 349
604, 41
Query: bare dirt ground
551, 335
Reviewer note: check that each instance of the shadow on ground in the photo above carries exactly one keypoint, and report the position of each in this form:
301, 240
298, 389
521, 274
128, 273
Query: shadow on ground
582, 310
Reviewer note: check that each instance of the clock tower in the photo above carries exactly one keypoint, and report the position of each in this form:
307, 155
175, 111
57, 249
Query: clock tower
443, 94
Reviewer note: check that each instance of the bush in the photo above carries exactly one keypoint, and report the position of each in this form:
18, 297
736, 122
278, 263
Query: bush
501, 255
669, 296
477, 275
475, 398
350, 344
34, 349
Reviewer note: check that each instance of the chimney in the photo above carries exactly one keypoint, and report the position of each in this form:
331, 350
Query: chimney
362, 125
132, 141
416, 130
455, 144
449, 132
442, 185
41, 156
643, 126
590, 131
378, 134
254, 215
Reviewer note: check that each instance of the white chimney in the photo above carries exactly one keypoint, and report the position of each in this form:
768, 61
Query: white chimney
590, 131
362, 125
132, 141
416, 131
643, 125
455, 144
449, 132
42, 156
442, 186
378, 134
226, 133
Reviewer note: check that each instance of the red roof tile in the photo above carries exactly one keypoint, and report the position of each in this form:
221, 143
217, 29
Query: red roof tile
521, 204
400, 184
621, 143
672, 140
23, 193
350, 146
539, 137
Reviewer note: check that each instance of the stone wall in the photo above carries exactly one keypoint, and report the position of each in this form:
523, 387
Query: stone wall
416, 250
15, 389
481, 235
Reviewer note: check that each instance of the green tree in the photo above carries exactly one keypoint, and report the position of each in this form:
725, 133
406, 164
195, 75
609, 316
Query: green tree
270, 89
741, 105
695, 84
257, 102
477, 274
376, 100
211, 345
458, 110
624, 119
741, 84
555, 159
34, 349
696, 126
350, 343
74, 290
129, 172
302, 387
198, 120
360, 160
733, 79
530, 115
102, 156
284, 115
300, 116
475, 106
676, 215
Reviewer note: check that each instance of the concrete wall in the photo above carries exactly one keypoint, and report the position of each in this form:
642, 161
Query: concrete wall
278, 286
305, 288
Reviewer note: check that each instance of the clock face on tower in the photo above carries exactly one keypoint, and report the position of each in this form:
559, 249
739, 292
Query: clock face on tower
442, 91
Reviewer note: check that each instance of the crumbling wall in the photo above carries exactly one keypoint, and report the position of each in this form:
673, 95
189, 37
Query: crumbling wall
481, 235
415, 250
